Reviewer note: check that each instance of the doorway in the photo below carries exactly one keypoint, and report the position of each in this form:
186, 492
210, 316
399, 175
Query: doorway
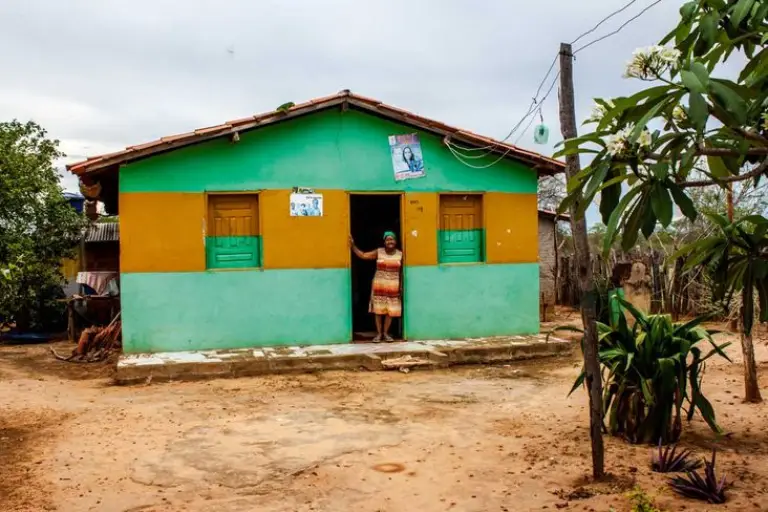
371, 215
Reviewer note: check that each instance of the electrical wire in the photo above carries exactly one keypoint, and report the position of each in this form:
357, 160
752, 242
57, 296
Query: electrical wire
531, 109
506, 152
536, 104
614, 13
621, 27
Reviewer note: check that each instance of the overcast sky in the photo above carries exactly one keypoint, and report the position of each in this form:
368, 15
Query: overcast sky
103, 74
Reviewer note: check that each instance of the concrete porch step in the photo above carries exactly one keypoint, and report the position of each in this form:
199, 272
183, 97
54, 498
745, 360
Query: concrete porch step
407, 355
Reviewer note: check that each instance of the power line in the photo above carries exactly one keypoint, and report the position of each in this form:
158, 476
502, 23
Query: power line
531, 110
536, 104
461, 157
614, 13
621, 27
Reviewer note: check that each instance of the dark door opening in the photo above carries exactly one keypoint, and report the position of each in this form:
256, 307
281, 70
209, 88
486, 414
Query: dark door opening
371, 215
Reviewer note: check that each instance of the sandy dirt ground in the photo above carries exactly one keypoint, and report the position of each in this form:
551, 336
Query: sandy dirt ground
495, 438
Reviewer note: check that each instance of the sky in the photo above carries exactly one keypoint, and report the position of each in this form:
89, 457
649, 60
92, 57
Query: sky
100, 75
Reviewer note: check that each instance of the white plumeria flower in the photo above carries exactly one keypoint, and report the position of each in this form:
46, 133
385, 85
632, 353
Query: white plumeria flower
616, 145
598, 112
645, 139
679, 115
651, 62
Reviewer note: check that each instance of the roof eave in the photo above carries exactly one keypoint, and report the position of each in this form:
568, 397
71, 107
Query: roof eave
541, 164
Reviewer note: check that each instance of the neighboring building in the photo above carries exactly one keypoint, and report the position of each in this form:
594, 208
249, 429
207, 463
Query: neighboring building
212, 257
548, 257
99, 252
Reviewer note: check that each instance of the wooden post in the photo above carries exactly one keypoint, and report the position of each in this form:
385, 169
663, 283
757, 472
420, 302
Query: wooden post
588, 293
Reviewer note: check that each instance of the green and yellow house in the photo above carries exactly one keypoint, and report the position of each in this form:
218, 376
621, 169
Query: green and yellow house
213, 254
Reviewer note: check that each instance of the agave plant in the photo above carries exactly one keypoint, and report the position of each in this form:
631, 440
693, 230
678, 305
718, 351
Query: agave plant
669, 460
650, 372
708, 489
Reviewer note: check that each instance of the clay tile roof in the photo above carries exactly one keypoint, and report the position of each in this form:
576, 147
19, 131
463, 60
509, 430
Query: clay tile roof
542, 164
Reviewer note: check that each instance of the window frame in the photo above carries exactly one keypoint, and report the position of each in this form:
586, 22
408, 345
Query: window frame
209, 196
483, 240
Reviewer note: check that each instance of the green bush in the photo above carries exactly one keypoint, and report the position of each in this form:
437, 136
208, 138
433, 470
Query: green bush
650, 371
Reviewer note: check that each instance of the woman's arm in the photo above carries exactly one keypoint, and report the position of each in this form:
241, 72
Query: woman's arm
370, 255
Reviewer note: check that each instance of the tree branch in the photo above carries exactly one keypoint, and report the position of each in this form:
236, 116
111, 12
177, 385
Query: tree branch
731, 152
757, 171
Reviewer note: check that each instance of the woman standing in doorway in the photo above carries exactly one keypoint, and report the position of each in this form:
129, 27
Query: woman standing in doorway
386, 302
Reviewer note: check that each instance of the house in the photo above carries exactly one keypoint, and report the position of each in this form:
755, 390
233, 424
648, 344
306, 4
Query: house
218, 250
548, 257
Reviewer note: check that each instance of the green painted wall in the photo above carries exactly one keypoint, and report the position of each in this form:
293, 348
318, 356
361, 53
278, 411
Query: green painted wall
232, 309
469, 300
329, 149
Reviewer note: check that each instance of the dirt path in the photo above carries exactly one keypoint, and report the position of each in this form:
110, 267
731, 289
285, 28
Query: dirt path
468, 439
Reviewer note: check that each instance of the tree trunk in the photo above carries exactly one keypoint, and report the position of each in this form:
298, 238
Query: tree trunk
588, 296
751, 387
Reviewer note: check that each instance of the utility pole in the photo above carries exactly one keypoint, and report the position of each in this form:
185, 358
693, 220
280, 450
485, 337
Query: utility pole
588, 295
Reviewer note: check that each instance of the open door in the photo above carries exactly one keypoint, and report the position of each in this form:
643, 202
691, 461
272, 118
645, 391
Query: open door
371, 215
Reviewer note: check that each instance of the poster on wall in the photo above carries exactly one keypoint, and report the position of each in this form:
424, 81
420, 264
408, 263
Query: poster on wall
407, 159
305, 203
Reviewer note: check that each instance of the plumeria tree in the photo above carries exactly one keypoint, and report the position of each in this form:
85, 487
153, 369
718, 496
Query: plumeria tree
650, 149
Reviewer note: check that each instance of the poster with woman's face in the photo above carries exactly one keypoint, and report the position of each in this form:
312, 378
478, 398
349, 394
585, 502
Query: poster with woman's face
407, 160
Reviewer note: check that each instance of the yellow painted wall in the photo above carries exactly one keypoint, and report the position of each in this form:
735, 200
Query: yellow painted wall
511, 227
304, 242
70, 267
420, 228
162, 232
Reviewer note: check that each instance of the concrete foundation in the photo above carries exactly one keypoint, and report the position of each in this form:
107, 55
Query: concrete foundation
431, 354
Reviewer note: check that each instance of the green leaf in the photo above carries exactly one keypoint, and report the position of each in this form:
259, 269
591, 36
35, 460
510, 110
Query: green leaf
683, 201
688, 10
717, 167
740, 10
609, 199
613, 222
730, 100
579, 382
661, 204
708, 26
649, 223
707, 412
691, 82
643, 121
701, 72
698, 111
598, 176
632, 225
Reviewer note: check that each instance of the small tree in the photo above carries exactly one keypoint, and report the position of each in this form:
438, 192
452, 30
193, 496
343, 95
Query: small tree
37, 226
648, 147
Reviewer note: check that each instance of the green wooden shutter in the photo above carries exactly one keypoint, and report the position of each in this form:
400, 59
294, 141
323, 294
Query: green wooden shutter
461, 237
233, 239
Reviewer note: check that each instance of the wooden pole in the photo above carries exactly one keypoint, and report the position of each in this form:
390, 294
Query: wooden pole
588, 294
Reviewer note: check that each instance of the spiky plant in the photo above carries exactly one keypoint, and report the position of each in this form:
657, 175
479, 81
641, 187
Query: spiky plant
650, 371
669, 460
708, 488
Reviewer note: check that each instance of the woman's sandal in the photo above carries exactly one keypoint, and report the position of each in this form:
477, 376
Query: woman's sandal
376, 339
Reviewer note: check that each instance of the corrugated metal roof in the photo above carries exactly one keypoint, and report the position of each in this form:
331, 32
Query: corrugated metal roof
543, 164
103, 232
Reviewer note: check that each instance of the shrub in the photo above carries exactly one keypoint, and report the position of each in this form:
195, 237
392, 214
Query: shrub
650, 371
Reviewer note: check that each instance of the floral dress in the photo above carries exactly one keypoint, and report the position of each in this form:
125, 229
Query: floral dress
385, 293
